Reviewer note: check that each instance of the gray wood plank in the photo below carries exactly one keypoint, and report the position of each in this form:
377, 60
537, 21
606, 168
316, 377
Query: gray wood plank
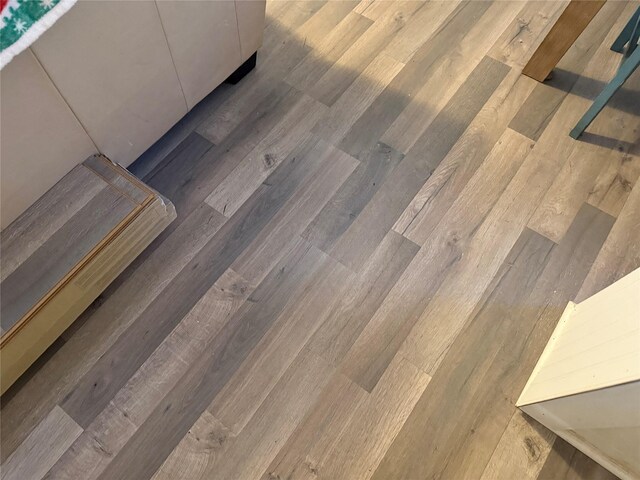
565, 462
363, 236
486, 368
94, 391
337, 79
179, 410
347, 320
327, 52
188, 177
396, 96
46, 216
54, 259
538, 110
352, 197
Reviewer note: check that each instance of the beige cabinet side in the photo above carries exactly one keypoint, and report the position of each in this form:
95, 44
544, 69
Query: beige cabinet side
41, 138
604, 424
111, 63
250, 25
204, 43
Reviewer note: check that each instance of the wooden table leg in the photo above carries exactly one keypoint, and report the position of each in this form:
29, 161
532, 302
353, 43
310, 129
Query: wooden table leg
566, 30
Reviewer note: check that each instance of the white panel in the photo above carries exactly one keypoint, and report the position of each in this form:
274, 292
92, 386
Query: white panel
595, 345
604, 424
111, 62
204, 43
41, 139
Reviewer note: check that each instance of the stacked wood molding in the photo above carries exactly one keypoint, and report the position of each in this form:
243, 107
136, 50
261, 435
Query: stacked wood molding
61, 253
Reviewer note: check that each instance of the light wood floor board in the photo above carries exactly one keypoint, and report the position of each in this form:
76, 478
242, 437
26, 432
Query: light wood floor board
42, 448
522, 450
455, 66
464, 158
378, 230
364, 50
356, 245
397, 96
352, 197
528, 293
327, 52
518, 42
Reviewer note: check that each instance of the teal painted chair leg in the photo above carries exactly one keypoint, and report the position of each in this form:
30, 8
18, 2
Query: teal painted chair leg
625, 35
626, 69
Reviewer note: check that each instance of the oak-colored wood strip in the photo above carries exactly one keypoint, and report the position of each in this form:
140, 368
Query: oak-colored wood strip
566, 30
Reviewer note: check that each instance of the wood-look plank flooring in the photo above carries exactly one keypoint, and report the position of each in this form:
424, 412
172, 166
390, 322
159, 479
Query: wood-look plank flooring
377, 231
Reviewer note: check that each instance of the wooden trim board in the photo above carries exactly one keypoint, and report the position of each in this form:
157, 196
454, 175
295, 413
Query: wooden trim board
51, 314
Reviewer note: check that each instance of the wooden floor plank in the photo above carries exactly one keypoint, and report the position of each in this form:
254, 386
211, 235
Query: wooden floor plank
419, 28
447, 247
620, 254
320, 430
345, 323
328, 51
518, 41
397, 95
448, 74
522, 450
103, 325
566, 463
501, 163
356, 452
266, 156
360, 93
42, 448
94, 449
328, 17
580, 173
47, 216
363, 236
352, 197
528, 294
241, 397
112, 371
277, 418
294, 216
180, 409
338, 78
452, 175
